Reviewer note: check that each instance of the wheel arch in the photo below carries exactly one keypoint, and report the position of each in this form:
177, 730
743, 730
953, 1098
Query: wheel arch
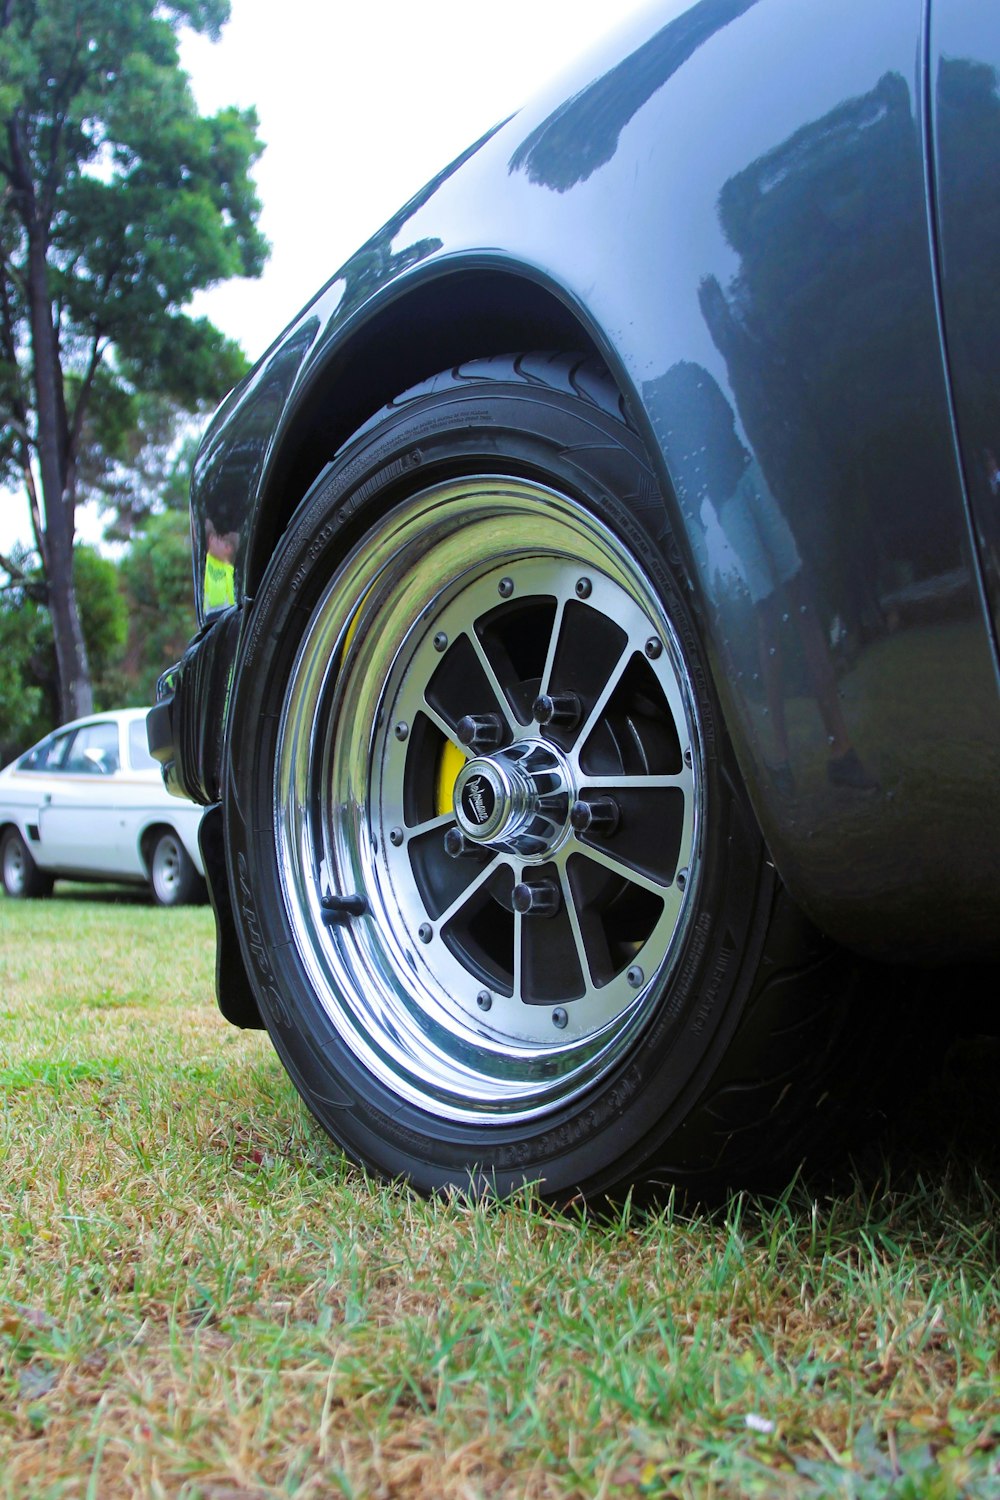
11, 825
428, 324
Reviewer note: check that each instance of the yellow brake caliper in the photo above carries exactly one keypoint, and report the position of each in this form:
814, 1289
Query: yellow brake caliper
450, 762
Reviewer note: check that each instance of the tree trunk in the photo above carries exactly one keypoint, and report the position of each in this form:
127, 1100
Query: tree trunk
76, 696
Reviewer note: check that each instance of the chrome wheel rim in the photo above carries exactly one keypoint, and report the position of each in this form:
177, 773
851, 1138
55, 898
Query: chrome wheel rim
166, 872
491, 649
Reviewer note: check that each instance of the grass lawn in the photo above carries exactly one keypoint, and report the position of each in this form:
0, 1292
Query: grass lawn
199, 1298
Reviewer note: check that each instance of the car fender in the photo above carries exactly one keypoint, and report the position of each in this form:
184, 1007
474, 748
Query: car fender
731, 208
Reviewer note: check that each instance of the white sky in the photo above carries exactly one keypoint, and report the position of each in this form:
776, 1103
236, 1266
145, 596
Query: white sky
359, 106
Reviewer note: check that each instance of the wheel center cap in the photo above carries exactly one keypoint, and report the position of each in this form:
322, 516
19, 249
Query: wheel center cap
518, 798
484, 798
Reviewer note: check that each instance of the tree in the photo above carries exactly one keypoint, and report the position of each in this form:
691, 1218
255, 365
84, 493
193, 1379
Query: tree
146, 468
21, 648
29, 687
119, 201
155, 574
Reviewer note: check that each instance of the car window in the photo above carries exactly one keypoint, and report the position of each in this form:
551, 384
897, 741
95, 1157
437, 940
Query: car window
47, 755
94, 750
138, 747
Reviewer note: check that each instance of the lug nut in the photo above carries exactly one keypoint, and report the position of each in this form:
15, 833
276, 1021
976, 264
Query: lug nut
601, 816
560, 710
456, 845
425, 932
682, 879
654, 647
440, 641
584, 588
635, 977
480, 731
560, 1018
505, 588
536, 898
395, 837
484, 1000
401, 730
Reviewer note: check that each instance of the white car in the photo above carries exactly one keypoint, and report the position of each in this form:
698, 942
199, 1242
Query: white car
88, 802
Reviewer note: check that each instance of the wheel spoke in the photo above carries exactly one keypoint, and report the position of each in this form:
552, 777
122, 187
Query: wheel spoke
614, 678
475, 885
550, 654
683, 780
627, 872
442, 724
429, 825
518, 957
574, 922
499, 692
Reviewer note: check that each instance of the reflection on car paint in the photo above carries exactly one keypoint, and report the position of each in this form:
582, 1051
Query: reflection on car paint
693, 202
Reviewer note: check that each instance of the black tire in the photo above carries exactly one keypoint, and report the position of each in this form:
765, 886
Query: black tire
21, 876
172, 876
634, 1001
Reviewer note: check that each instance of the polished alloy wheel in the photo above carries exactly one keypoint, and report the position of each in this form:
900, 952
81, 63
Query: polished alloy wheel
501, 898
488, 800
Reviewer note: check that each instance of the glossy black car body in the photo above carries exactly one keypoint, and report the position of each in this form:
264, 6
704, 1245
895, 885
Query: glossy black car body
777, 225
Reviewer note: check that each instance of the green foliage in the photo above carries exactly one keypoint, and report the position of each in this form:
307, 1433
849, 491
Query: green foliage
22, 697
137, 613
137, 458
142, 200
156, 578
29, 698
118, 201
102, 610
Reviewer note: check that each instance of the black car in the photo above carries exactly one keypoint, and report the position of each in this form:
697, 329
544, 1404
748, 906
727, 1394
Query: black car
599, 668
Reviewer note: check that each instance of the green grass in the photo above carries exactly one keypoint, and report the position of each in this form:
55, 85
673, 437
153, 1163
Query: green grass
200, 1298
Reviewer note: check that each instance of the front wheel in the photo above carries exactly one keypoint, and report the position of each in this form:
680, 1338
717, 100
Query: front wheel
21, 876
172, 874
505, 907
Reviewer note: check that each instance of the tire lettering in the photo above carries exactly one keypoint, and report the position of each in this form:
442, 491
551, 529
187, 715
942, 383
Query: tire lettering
712, 992
682, 988
255, 942
573, 1132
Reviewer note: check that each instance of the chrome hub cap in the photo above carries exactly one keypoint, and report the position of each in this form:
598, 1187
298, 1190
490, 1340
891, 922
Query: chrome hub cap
489, 742
517, 799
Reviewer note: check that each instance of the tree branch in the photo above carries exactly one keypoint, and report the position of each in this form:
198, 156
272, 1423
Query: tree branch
20, 177
41, 540
74, 79
97, 349
13, 274
33, 587
17, 413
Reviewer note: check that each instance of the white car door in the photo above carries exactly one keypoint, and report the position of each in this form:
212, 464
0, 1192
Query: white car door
80, 819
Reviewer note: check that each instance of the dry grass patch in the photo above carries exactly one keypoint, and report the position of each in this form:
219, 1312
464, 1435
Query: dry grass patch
200, 1298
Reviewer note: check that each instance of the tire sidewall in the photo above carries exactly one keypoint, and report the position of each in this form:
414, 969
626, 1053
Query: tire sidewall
634, 1114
